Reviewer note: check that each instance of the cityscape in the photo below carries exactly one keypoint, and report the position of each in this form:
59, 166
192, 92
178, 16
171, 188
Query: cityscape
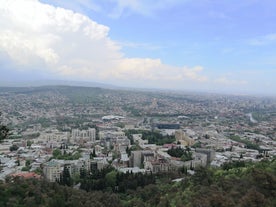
137, 103
57, 127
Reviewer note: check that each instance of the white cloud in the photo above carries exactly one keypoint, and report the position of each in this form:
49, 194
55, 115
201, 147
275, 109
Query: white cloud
23, 48
80, 6
69, 44
154, 70
33, 31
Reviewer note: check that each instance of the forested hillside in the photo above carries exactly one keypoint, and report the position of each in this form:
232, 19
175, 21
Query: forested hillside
235, 184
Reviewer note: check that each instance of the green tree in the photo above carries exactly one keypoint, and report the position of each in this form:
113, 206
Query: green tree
94, 153
29, 143
28, 163
17, 162
56, 153
25, 168
253, 198
14, 147
65, 177
128, 151
83, 173
110, 179
4, 131
184, 154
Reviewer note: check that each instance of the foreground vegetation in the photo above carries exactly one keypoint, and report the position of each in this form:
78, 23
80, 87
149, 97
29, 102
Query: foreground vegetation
235, 184
3, 130
153, 137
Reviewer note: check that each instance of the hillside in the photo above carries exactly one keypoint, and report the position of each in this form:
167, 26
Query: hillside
235, 184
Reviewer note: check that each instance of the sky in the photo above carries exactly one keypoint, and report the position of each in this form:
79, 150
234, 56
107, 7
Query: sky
200, 45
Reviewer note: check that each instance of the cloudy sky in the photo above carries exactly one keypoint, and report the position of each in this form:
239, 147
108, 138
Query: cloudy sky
202, 45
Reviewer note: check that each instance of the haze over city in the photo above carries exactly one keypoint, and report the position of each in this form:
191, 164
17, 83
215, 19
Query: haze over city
218, 46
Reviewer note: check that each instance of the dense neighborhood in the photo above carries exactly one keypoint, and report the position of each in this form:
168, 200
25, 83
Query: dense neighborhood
51, 130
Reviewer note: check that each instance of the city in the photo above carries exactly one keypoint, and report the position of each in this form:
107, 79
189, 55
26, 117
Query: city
57, 127
137, 103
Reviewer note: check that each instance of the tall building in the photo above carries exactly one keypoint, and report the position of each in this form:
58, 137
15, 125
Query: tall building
209, 152
75, 133
181, 137
52, 170
136, 158
92, 134
88, 135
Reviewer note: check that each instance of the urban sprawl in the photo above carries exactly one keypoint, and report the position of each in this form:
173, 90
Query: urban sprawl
80, 128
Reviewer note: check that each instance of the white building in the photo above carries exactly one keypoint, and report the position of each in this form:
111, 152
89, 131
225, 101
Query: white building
52, 170
88, 135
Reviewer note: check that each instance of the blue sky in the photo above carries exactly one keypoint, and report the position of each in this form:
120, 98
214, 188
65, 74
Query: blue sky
205, 45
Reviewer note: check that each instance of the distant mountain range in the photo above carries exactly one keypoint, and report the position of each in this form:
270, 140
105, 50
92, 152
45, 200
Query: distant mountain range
56, 83
39, 83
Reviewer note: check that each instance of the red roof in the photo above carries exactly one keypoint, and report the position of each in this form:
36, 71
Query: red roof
26, 175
